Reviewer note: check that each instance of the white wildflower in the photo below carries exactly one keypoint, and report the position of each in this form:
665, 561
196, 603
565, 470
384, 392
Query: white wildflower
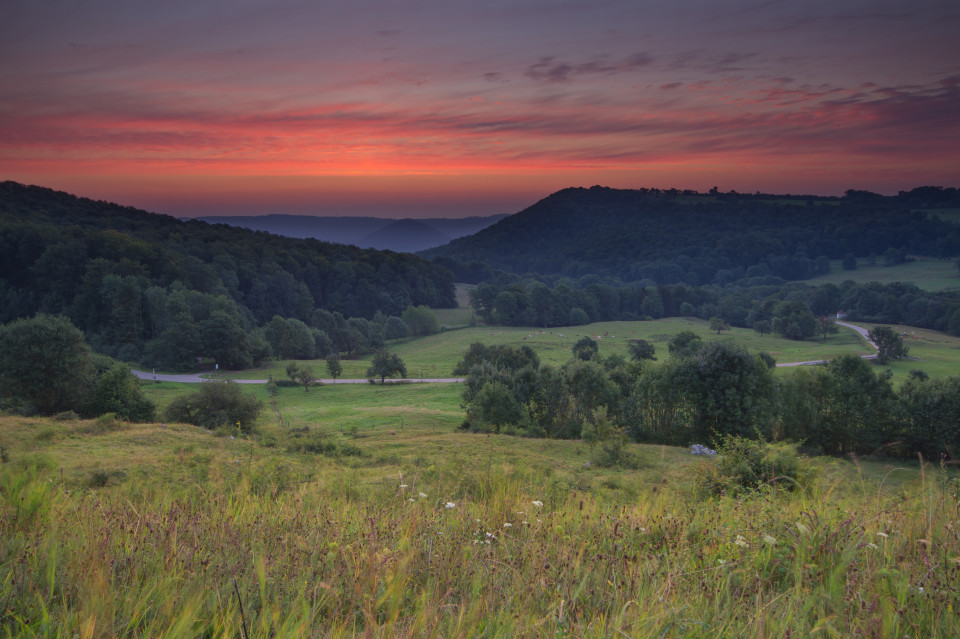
508, 525
538, 504
770, 540
740, 541
403, 486
882, 534
422, 495
872, 546
450, 504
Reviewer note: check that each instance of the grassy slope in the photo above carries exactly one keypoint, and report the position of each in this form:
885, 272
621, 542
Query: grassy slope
332, 546
927, 273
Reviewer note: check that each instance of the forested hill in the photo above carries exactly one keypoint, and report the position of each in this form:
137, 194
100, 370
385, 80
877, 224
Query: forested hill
120, 273
681, 236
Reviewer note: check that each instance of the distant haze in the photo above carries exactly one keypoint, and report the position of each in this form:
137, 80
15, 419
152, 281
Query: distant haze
404, 235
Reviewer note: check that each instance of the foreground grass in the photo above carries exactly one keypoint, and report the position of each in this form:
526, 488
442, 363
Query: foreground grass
419, 531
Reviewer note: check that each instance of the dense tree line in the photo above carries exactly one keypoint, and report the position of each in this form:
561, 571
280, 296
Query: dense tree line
790, 309
151, 287
703, 392
669, 237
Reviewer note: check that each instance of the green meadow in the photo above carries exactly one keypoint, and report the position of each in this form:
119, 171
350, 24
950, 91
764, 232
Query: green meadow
437, 355
928, 274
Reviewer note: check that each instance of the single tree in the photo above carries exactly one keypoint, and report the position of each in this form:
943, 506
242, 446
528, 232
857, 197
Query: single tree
762, 326
717, 324
45, 364
684, 344
641, 349
334, 367
889, 345
586, 348
793, 320
301, 375
386, 364
827, 324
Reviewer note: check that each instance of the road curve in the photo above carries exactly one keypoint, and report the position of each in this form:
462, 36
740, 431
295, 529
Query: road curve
196, 378
859, 329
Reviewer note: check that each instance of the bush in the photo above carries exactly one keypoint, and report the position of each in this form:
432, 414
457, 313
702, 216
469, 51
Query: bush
215, 405
746, 465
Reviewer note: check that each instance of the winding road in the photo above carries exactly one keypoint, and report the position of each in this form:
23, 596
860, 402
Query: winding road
859, 329
196, 378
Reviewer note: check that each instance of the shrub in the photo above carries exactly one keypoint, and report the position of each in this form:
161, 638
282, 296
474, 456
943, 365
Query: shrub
106, 423
215, 405
745, 465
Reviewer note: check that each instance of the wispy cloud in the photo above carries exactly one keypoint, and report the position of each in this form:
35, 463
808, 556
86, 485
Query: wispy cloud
550, 69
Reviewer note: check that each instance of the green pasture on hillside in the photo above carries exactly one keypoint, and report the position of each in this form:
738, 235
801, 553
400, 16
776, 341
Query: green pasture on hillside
928, 274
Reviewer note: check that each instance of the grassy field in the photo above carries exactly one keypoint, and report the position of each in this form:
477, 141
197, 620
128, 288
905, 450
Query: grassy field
927, 273
436, 355
407, 528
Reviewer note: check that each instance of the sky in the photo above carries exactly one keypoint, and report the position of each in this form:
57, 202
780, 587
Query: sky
423, 108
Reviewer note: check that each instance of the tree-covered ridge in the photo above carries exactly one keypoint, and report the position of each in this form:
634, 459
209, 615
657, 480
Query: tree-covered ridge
669, 237
127, 277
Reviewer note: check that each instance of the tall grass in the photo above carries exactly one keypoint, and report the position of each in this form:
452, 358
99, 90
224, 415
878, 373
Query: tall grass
491, 549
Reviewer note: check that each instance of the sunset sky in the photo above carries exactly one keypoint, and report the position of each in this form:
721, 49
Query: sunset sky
449, 108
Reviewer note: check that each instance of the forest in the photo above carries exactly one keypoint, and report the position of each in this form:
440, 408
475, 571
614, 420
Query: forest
655, 237
151, 288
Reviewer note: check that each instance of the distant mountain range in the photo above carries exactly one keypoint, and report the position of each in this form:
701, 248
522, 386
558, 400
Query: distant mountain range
401, 235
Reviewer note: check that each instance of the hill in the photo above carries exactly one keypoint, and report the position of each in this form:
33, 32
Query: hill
669, 237
408, 236
127, 277
365, 232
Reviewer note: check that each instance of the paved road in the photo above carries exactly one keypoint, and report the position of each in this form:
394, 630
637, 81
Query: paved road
196, 378
859, 329
203, 377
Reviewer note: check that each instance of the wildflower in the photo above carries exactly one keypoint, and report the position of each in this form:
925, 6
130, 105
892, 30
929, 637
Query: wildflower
770, 540
538, 504
740, 541
450, 504
422, 495
412, 500
872, 546
882, 534
508, 525
403, 486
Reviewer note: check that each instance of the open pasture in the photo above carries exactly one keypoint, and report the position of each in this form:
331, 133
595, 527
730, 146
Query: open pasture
929, 274
435, 356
